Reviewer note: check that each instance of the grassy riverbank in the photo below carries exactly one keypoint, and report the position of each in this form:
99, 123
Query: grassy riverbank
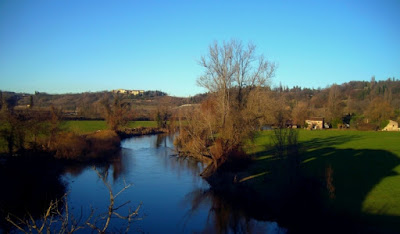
364, 170
78, 137
87, 126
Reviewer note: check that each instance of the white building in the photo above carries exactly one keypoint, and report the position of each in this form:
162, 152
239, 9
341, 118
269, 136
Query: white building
392, 126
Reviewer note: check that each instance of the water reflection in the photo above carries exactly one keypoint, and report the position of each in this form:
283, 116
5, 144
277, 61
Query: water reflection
174, 196
165, 153
117, 164
223, 216
163, 140
172, 160
29, 184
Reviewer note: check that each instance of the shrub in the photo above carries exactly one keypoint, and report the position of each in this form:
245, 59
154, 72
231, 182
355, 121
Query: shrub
367, 127
336, 122
84, 147
101, 143
69, 146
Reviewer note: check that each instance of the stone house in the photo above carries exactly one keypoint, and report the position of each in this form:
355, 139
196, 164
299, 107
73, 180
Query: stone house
392, 126
315, 123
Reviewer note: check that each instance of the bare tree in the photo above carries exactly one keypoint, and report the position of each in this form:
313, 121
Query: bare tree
232, 71
235, 76
333, 104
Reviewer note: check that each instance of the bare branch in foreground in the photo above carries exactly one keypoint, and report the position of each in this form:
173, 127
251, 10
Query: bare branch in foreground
54, 220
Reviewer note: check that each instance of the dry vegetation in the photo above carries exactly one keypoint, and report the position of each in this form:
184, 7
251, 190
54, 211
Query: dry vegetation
235, 76
69, 145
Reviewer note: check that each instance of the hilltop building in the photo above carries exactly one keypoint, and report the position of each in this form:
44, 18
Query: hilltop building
127, 91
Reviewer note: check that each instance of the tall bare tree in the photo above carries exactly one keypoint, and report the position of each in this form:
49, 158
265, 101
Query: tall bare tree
334, 110
234, 75
232, 71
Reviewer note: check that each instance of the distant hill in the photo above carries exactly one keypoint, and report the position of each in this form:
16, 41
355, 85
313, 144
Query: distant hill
361, 101
88, 105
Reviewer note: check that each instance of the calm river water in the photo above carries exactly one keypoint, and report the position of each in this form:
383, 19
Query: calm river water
174, 198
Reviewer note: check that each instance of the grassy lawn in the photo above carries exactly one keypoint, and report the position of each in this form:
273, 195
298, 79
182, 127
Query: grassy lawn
87, 126
366, 167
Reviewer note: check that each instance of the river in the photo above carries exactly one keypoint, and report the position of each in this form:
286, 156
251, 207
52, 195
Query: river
173, 197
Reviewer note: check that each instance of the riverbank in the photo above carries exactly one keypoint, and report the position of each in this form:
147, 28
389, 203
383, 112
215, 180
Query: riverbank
82, 140
141, 131
99, 144
88, 126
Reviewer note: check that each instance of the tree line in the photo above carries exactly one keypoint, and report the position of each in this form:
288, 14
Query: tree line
364, 105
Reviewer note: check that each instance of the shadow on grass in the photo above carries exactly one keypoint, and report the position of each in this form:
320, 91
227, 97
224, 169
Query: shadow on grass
312, 144
354, 174
336, 189
325, 142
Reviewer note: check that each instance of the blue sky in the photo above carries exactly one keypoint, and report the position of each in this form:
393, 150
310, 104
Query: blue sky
78, 46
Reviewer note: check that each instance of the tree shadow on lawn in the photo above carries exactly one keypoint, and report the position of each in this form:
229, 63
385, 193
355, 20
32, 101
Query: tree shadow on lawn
335, 185
267, 162
312, 144
354, 174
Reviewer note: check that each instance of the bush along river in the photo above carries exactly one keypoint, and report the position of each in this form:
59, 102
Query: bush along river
170, 194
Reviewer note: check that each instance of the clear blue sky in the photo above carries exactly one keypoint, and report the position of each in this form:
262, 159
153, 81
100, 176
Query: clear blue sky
76, 46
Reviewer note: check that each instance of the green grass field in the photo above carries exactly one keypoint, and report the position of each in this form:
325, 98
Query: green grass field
366, 167
87, 126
